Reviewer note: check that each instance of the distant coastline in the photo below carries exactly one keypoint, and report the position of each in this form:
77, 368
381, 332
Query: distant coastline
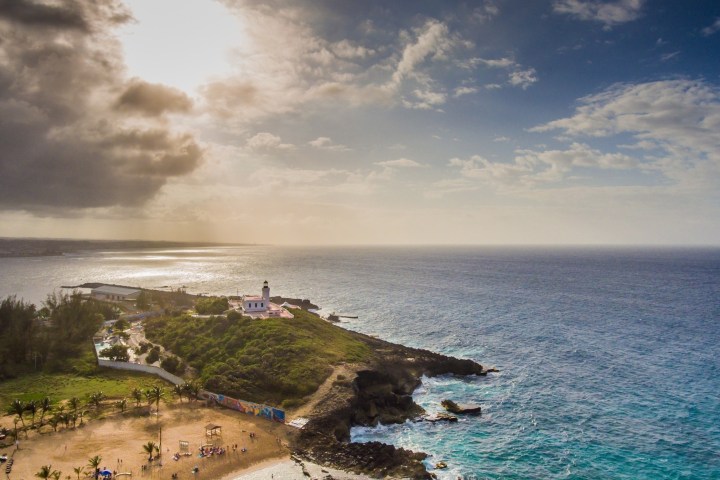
53, 247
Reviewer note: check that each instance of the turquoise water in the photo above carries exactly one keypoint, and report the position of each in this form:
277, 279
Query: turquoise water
609, 358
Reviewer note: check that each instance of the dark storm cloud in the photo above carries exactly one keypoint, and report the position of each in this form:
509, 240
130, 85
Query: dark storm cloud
69, 15
153, 99
69, 131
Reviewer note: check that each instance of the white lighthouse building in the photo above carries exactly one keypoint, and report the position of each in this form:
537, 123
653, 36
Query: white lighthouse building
257, 303
259, 306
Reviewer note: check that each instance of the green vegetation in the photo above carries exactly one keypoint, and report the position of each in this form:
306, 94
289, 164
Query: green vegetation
63, 386
212, 305
50, 339
271, 360
118, 353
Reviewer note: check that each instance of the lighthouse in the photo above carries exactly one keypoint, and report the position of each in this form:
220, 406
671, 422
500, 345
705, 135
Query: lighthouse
266, 293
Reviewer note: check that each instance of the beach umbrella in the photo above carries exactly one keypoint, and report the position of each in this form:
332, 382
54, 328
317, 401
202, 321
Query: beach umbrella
105, 472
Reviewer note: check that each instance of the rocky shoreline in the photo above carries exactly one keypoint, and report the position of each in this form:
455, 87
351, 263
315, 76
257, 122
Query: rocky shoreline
380, 393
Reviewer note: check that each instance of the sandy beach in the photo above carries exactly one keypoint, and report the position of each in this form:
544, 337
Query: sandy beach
118, 439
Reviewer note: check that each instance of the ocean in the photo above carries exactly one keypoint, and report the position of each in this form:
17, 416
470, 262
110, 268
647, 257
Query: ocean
609, 358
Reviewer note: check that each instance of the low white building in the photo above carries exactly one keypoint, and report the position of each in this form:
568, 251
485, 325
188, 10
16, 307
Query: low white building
259, 306
257, 303
115, 294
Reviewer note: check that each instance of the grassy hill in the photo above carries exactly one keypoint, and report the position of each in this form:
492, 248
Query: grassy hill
275, 361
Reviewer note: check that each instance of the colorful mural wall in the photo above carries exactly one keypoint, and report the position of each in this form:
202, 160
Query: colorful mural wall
248, 407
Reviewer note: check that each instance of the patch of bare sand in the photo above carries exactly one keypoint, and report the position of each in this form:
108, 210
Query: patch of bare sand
119, 440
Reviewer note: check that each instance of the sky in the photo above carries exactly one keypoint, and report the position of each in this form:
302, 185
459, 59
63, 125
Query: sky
341, 122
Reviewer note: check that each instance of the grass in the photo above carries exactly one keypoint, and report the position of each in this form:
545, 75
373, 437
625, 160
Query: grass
63, 386
271, 361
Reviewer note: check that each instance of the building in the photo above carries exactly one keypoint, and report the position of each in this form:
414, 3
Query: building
259, 306
257, 303
115, 294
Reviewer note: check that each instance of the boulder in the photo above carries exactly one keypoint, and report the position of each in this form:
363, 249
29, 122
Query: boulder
459, 408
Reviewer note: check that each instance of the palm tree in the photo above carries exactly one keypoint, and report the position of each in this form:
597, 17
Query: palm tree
179, 390
79, 471
32, 407
54, 422
96, 398
149, 448
192, 389
121, 404
74, 403
137, 394
94, 462
45, 406
46, 472
154, 395
17, 407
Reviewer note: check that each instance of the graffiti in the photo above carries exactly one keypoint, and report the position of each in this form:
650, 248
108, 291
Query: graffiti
249, 408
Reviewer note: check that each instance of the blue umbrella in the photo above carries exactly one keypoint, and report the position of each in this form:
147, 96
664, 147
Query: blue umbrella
105, 472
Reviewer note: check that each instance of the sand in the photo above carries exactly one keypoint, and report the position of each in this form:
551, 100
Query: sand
292, 470
119, 438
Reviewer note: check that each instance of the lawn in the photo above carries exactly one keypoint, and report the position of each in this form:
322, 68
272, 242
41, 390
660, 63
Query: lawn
63, 386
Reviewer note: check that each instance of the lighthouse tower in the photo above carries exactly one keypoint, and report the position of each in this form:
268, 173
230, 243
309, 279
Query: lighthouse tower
266, 293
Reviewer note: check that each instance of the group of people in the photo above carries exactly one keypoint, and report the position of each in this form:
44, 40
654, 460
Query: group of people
210, 451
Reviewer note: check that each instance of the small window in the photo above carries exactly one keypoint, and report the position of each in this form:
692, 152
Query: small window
262, 305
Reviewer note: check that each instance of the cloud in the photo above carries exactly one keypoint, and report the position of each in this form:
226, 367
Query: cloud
523, 78
267, 141
433, 41
669, 56
485, 12
712, 29
460, 91
67, 146
677, 121
518, 76
608, 13
497, 62
426, 100
326, 143
153, 99
36, 14
399, 163
531, 168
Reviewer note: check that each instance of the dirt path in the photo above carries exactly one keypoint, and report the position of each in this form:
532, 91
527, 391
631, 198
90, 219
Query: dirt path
345, 372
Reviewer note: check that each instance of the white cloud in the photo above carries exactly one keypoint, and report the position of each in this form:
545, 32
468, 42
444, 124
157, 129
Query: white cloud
460, 91
501, 139
497, 62
326, 143
608, 13
669, 56
523, 78
530, 168
426, 100
676, 121
400, 163
485, 12
267, 141
714, 28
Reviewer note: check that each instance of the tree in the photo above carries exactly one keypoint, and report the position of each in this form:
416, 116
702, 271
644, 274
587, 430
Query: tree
143, 300
149, 448
137, 394
153, 356
192, 389
54, 422
179, 391
154, 395
173, 365
121, 404
32, 407
116, 353
45, 406
94, 462
46, 472
79, 471
17, 407
74, 403
96, 399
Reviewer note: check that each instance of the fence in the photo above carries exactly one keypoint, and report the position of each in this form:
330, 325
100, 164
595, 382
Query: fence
151, 369
250, 408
